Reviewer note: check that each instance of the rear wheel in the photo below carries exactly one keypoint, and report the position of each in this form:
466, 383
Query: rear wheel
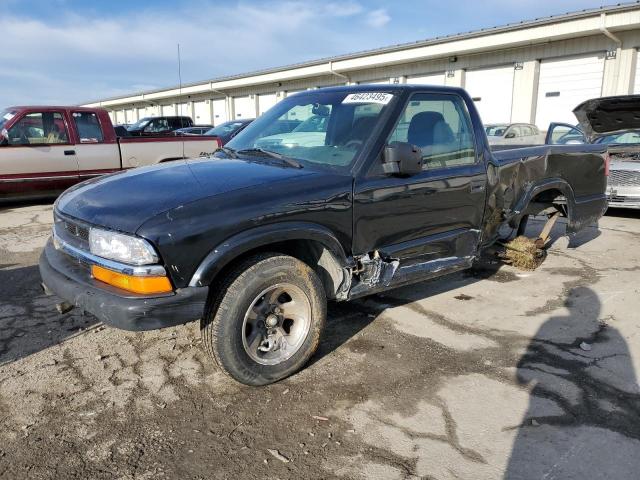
265, 322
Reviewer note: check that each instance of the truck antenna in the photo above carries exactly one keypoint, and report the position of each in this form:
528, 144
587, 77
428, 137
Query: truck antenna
180, 94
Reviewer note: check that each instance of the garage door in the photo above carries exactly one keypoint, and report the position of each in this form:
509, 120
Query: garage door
432, 79
168, 110
130, 115
266, 101
183, 109
492, 92
219, 111
244, 107
636, 84
202, 112
565, 83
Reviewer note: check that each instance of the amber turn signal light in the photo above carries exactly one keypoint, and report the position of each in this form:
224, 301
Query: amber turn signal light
145, 285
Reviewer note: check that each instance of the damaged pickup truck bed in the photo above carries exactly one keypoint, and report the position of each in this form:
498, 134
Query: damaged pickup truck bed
397, 186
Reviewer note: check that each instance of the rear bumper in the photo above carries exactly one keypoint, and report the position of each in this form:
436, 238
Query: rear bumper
69, 280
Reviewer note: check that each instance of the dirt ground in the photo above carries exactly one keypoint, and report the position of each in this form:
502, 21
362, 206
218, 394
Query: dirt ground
490, 373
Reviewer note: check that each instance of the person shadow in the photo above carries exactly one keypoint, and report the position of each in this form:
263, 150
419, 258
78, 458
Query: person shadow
583, 419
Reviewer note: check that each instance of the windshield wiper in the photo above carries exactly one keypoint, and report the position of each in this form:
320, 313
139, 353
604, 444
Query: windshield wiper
287, 160
230, 152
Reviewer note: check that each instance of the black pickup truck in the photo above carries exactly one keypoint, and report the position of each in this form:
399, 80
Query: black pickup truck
393, 185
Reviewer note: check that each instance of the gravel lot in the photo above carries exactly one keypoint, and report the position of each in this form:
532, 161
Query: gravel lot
491, 373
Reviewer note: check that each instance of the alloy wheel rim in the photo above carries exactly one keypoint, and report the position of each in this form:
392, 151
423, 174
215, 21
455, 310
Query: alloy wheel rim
276, 324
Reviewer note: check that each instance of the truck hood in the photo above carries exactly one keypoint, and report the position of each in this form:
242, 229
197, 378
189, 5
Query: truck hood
125, 200
607, 115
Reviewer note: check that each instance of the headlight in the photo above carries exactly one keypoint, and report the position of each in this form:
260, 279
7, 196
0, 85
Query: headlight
120, 247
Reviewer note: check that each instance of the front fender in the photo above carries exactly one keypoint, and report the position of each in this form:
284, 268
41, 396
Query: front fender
261, 236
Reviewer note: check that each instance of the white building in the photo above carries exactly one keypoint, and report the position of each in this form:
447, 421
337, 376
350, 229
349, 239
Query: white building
534, 71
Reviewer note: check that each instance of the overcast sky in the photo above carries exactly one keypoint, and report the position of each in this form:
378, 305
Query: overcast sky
73, 51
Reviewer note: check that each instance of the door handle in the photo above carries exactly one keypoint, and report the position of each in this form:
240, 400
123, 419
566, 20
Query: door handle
69, 152
476, 187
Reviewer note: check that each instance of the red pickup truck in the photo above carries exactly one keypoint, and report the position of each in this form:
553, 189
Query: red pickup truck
44, 150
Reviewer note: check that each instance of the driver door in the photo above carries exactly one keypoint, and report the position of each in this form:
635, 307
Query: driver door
39, 156
433, 216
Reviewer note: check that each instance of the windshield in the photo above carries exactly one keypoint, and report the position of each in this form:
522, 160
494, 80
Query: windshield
495, 130
5, 116
315, 123
631, 137
332, 127
224, 129
143, 122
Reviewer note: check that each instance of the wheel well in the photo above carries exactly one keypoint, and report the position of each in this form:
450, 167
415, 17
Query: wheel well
548, 201
315, 254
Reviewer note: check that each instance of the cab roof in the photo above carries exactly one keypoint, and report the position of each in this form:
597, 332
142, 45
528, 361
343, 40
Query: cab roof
53, 107
391, 87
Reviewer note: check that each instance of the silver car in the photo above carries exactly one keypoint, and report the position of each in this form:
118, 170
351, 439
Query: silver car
513, 134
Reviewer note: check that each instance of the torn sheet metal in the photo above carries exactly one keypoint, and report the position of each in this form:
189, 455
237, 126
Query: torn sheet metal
375, 271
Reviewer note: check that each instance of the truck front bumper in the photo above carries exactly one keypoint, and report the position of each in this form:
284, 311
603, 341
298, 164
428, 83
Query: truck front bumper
69, 280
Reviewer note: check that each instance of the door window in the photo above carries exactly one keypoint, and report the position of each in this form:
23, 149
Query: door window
41, 128
564, 135
157, 125
515, 132
440, 125
179, 122
88, 127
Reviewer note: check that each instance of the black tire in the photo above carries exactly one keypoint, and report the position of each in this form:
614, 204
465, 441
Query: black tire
222, 325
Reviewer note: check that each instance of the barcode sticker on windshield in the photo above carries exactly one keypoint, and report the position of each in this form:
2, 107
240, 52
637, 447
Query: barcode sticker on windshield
368, 97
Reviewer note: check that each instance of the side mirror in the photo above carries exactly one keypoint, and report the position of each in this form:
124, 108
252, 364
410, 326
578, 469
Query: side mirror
402, 158
510, 135
4, 137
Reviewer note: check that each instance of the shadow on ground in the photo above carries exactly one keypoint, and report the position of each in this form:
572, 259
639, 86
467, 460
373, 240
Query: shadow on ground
583, 365
29, 321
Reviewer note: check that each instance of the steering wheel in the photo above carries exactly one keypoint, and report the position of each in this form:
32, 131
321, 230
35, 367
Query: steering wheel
355, 144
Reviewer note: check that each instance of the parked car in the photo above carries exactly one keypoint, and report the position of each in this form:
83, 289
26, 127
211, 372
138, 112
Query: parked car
44, 150
227, 130
195, 130
514, 134
254, 242
610, 121
153, 126
309, 133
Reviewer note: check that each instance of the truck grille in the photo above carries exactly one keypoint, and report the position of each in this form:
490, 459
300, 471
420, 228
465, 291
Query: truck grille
72, 232
77, 230
624, 178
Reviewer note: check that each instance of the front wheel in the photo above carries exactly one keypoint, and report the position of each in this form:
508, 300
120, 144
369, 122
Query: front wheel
265, 322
